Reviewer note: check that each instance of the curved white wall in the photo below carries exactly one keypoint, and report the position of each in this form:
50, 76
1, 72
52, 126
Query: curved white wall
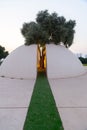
62, 63
21, 63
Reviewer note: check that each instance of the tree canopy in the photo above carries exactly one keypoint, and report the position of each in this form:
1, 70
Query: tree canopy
49, 28
3, 52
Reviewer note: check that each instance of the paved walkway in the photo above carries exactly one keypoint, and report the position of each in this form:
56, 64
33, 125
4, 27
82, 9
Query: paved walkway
71, 99
70, 95
15, 96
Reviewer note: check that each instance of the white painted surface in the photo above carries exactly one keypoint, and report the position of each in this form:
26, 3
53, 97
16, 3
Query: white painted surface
21, 63
12, 119
70, 95
61, 62
16, 87
15, 96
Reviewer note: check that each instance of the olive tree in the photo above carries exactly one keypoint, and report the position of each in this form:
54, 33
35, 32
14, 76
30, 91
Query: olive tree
49, 28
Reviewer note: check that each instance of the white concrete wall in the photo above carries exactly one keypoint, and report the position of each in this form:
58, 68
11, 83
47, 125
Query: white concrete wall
61, 62
21, 63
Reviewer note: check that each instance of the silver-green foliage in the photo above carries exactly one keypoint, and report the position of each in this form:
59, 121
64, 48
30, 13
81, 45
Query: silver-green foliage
49, 27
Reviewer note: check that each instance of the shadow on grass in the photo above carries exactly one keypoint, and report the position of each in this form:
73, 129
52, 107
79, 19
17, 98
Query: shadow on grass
42, 112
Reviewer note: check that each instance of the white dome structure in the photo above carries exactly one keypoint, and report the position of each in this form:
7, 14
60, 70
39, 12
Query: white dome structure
62, 63
21, 63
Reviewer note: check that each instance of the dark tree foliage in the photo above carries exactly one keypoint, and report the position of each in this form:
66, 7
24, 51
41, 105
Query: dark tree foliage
34, 34
49, 28
3, 53
83, 60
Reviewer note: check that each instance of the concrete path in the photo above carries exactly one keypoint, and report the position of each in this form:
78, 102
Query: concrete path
70, 95
15, 96
71, 99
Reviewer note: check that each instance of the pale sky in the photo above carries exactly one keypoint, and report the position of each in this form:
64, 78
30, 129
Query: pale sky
13, 13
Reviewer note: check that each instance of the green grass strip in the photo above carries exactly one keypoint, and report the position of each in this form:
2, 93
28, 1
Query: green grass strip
42, 112
84, 64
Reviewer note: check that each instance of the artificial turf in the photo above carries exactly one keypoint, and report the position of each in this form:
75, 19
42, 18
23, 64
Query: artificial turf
42, 112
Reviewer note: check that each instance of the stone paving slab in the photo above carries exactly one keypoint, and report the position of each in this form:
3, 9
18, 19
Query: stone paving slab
15, 97
74, 118
12, 119
71, 99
